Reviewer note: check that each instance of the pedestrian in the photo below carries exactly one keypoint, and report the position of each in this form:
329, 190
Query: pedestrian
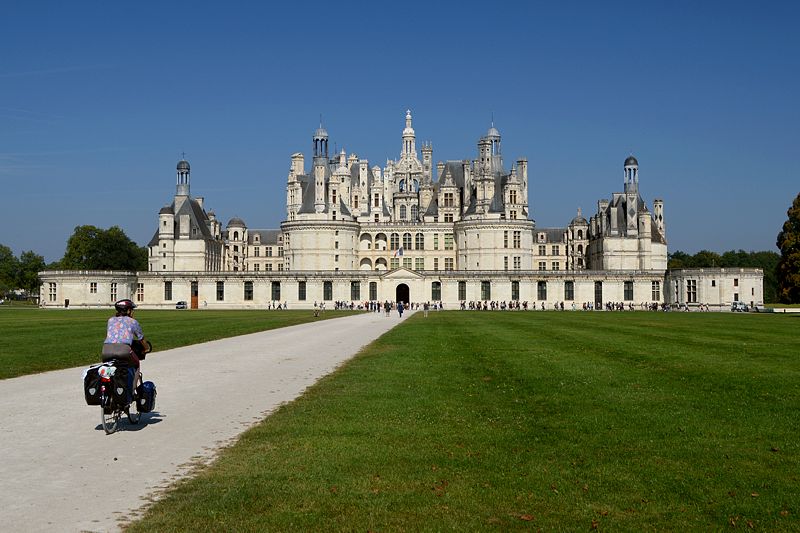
400, 308
425, 308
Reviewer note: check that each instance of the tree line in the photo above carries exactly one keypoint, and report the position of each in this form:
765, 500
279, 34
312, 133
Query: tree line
88, 248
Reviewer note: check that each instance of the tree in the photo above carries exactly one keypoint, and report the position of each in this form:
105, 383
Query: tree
789, 265
30, 264
92, 248
8, 270
679, 259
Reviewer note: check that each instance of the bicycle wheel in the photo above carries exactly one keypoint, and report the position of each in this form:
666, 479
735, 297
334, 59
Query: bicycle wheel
110, 419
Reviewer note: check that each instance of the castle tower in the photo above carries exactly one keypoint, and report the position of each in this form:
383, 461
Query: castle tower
409, 138
631, 174
183, 171
320, 165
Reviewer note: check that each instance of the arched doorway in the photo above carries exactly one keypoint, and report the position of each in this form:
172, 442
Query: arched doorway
402, 294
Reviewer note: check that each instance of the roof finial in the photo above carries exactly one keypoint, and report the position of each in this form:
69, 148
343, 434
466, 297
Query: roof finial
183, 155
493, 119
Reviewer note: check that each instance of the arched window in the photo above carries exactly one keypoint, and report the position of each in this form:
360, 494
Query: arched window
394, 241
580, 234
402, 185
416, 186
580, 248
419, 241
402, 212
235, 235
406, 241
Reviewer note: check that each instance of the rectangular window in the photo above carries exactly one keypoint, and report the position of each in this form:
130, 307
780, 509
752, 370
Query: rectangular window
269, 267
373, 290
436, 263
419, 263
269, 251
628, 291
505, 263
256, 251
542, 265
51, 291
167, 290
448, 263
448, 217
462, 290
656, 291
517, 262
407, 263
257, 267
542, 249
691, 291
220, 291
327, 290
280, 267
355, 290
713, 283
280, 251
515, 290
505, 239
512, 215
248, 290
736, 282
569, 290
436, 291
486, 290
435, 241
554, 250
394, 262
448, 241
276, 290
376, 202
517, 239
93, 287
541, 290
140, 292
448, 199
555, 265
114, 292
301, 291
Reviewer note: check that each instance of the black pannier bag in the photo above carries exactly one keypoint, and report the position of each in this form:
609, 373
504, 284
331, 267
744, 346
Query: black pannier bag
91, 385
119, 382
146, 397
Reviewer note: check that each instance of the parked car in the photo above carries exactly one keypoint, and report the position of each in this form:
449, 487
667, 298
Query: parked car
739, 307
181, 305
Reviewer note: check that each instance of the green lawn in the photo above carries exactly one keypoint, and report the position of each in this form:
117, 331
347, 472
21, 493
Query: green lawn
502, 421
36, 340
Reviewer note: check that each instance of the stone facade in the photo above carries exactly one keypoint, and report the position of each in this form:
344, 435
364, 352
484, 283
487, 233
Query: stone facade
411, 231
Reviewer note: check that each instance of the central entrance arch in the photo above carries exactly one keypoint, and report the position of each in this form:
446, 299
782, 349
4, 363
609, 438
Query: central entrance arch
402, 293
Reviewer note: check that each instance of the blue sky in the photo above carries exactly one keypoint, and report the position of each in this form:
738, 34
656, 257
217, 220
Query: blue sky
99, 99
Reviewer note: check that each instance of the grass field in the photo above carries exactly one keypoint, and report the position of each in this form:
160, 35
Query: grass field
470, 421
35, 340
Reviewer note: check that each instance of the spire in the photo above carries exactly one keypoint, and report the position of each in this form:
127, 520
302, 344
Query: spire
409, 138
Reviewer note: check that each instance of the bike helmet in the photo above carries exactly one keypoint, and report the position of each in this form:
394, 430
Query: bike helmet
124, 306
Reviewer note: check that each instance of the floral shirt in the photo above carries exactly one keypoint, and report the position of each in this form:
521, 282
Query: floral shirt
123, 330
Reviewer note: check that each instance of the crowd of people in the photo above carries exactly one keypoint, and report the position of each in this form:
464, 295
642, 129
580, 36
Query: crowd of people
387, 306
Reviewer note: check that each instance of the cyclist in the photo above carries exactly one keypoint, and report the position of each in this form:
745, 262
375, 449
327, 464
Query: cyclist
125, 341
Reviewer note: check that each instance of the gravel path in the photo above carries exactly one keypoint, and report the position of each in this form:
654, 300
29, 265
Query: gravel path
60, 472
